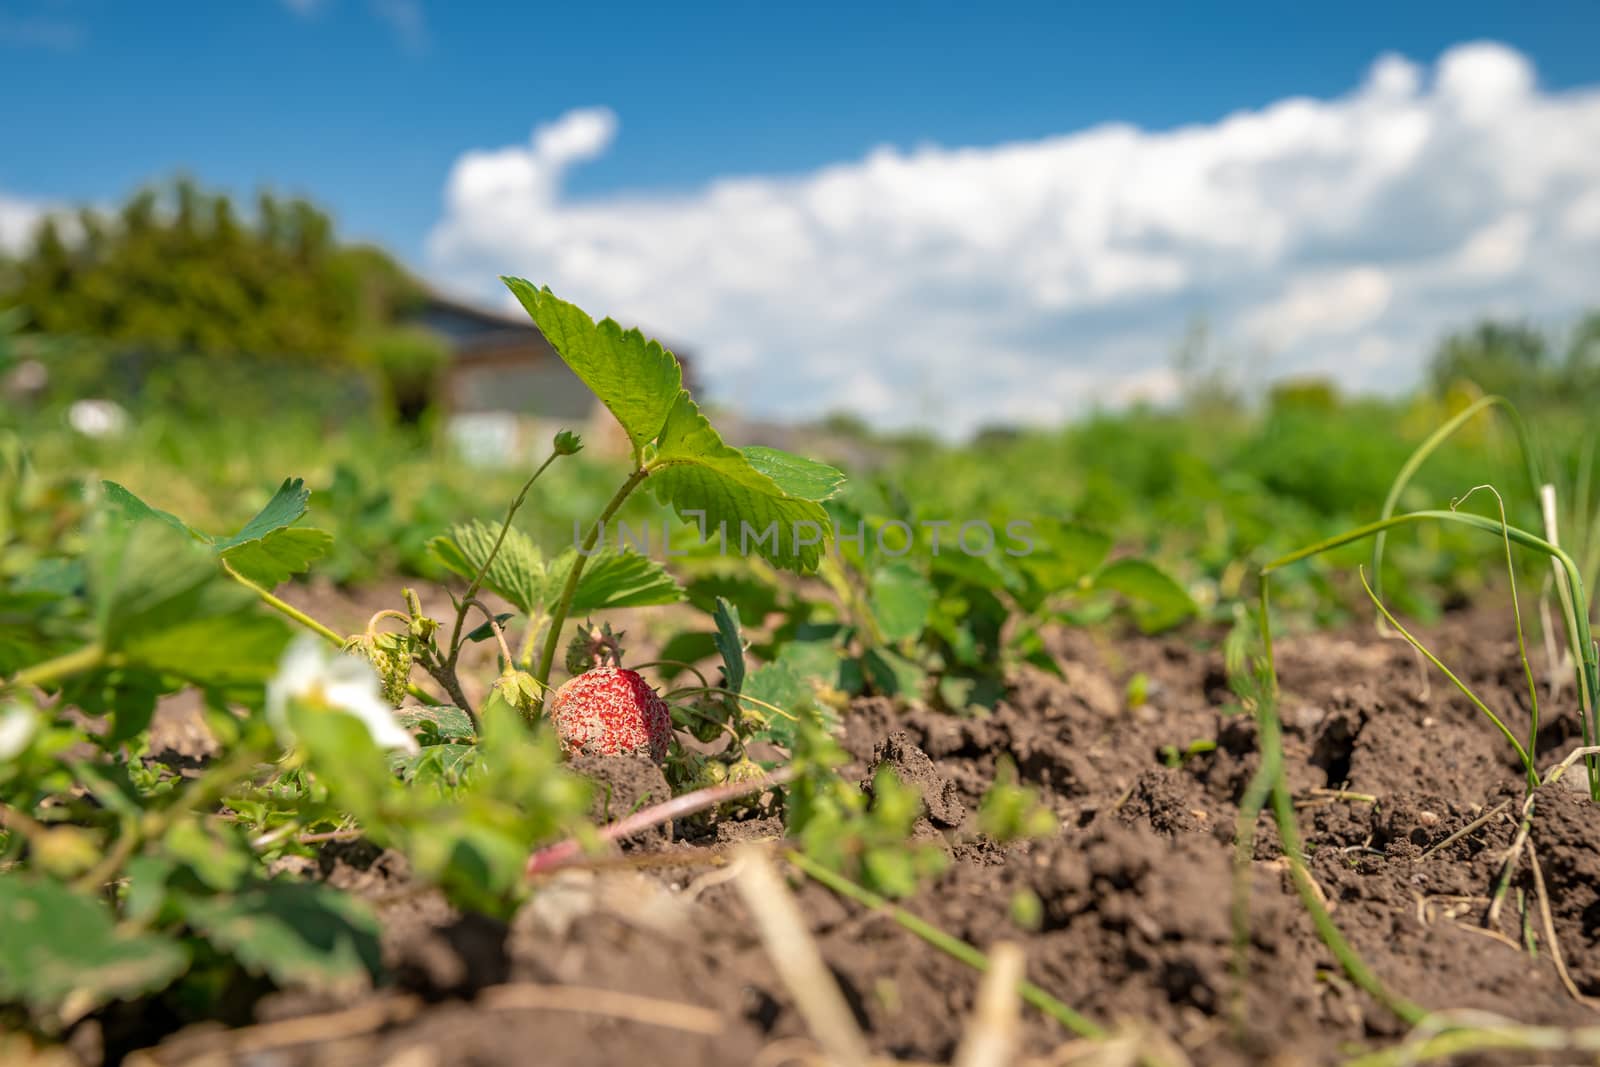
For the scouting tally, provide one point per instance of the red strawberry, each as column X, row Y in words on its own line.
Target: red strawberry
column 611, row 711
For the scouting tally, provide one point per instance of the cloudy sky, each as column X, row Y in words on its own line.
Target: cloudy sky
column 922, row 215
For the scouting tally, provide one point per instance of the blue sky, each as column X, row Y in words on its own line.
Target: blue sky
column 375, row 107
column 366, row 104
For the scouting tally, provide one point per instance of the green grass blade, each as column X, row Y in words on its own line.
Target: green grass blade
column 1430, row 446
column 1588, row 657
column 1522, row 753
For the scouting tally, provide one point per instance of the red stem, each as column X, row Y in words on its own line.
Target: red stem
column 562, row 853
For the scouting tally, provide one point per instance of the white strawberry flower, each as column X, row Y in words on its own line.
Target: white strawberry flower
column 18, row 724
column 313, row 673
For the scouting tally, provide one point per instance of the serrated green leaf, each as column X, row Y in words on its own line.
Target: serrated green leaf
column 795, row 475
column 279, row 555
column 144, row 576
column 438, row 765
column 286, row 507
column 298, row 934
column 730, row 643
column 243, row 651
column 635, row 378
column 265, row 550
column 124, row 504
column 1157, row 600
column 1065, row 557
column 612, row 579
column 901, row 599
column 61, row 949
column 447, row 721
column 517, row 572
column 695, row 472
column 892, row 674
column 220, row 859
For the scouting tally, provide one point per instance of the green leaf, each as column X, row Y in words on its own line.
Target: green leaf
column 265, row 550
column 485, row 630
column 298, row 934
column 245, row 650
column 220, row 859
column 279, row 556
column 445, row 765
column 517, row 572
column 795, row 475
column 1065, row 558
column 339, row 748
column 126, row 505
column 1158, row 601
column 635, row 378
column 287, row 506
column 143, row 576
column 612, row 579
column 901, row 599
column 695, row 472
column 63, row 951
column 447, row 721
column 730, row 643
column 892, row 674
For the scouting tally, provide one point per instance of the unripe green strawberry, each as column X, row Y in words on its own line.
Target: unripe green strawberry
column 611, row 711
column 391, row 655
column 745, row 769
column 713, row 772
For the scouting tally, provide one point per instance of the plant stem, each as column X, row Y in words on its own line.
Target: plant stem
column 285, row 607
column 1270, row 732
column 483, row 568
column 553, row 857
column 86, row 658
column 536, row 622
column 558, row 618
column 951, row 946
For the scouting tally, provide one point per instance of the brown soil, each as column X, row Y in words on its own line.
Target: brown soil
column 1134, row 891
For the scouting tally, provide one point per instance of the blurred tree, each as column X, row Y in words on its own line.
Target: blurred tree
column 1511, row 359
column 1583, row 353
column 176, row 269
column 409, row 363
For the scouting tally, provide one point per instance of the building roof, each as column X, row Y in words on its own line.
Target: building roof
column 473, row 331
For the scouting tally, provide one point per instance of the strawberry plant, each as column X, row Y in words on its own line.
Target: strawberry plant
column 166, row 882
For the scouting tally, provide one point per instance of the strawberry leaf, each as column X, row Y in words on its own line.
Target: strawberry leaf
column 517, row 572
column 901, row 600
column 635, row 378
column 63, row 953
column 265, row 551
column 795, row 475
column 705, row 480
column 730, row 642
column 299, row 935
column 613, row 580
column 1158, row 602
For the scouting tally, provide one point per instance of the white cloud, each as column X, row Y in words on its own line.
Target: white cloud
column 1034, row 279
column 405, row 18
column 49, row 34
column 18, row 217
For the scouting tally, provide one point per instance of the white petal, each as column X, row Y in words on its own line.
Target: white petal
column 17, row 726
column 312, row 671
